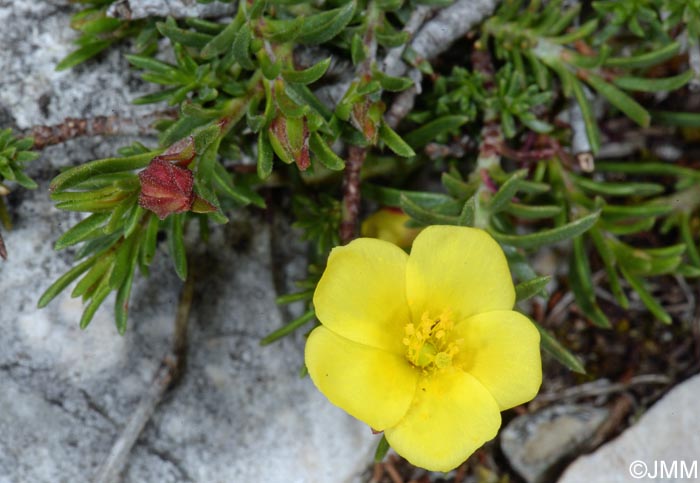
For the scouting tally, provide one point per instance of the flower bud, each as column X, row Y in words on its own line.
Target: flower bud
column 166, row 188
column 289, row 138
column 389, row 224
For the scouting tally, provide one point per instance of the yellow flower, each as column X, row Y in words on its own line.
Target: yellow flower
column 390, row 224
column 424, row 347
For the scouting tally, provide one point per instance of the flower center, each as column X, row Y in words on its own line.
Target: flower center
column 428, row 343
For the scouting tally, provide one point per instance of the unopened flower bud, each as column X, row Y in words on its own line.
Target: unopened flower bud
column 166, row 188
column 289, row 138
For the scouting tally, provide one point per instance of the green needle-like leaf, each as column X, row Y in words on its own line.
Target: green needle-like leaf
column 530, row 288
column 549, row 236
column 289, row 328
column 553, row 347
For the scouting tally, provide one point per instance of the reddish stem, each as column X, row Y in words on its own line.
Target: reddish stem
column 351, row 193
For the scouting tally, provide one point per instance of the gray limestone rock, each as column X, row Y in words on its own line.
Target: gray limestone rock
column 240, row 413
column 538, row 444
column 135, row 9
column 664, row 445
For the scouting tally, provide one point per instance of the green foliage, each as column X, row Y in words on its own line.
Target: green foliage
column 242, row 93
column 14, row 155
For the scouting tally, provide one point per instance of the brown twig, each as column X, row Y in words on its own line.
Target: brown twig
column 3, row 250
column 168, row 374
column 72, row 128
column 351, row 193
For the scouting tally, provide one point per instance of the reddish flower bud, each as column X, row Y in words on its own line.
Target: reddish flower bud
column 166, row 188
column 289, row 138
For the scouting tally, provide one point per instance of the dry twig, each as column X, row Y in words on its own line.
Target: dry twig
column 168, row 374
column 72, row 128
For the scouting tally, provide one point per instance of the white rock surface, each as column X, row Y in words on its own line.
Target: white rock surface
column 240, row 413
column 665, row 434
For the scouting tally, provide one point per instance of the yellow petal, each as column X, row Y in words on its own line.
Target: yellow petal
column 457, row 268
column 502, row 350
column 373, row 385
column 451, row 416
column 361, row 295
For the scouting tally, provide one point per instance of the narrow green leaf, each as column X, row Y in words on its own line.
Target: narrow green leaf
column 643, row 84
column 429, row 132
column 289, row 328
column 613, row 212
column 241, row 48
column 121, row 303
column 188, row 38
column 394, row 141
column 457, row 187
column 90, row 227
column 294, row 297
column 151, row 239
column 307, row 76
column 609, row 263
column 423, row 215
column 392, row 39
column 468, row 213
column 647, row 59
column 325, row 154
column 681, row 119
column 393, row 84
column 176, row 245
column 505, row 193
column 647, row 299
column 87, row 284
column 82, row 54
column 532, row 212
column 589, row 120
column 548, row 236
column 302, row 92
column 64, row 280
column 611, row 188
column 282, row 31
column 24, row 181
column 322, row 27
column 223, row 40
column 149, row 63
column 382, row 449
column 579, row 33
column 78, row 174
column 222, row 180
column 619, row 99
column 554, row 348
column 265, row 156
column 98, row 297
column 687, row 237
column 125, row 253
column 116, row 220
column 133, row 220
column 581, row 282
column 530, row 288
